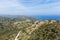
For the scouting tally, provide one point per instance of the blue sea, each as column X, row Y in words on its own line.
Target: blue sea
column 46, row 17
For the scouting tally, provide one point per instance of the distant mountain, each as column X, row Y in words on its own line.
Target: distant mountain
column 36, row 17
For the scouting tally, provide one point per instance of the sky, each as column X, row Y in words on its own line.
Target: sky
column 29, row 7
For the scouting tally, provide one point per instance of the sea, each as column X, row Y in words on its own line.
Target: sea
column 48, row 17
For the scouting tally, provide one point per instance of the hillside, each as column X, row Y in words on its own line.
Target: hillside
column 27, row 28
column 41, row 30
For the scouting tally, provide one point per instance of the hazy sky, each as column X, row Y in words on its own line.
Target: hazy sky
column 30, row 7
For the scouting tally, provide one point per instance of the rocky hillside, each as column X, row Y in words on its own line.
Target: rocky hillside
column 29, row 29
column 41, row 30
